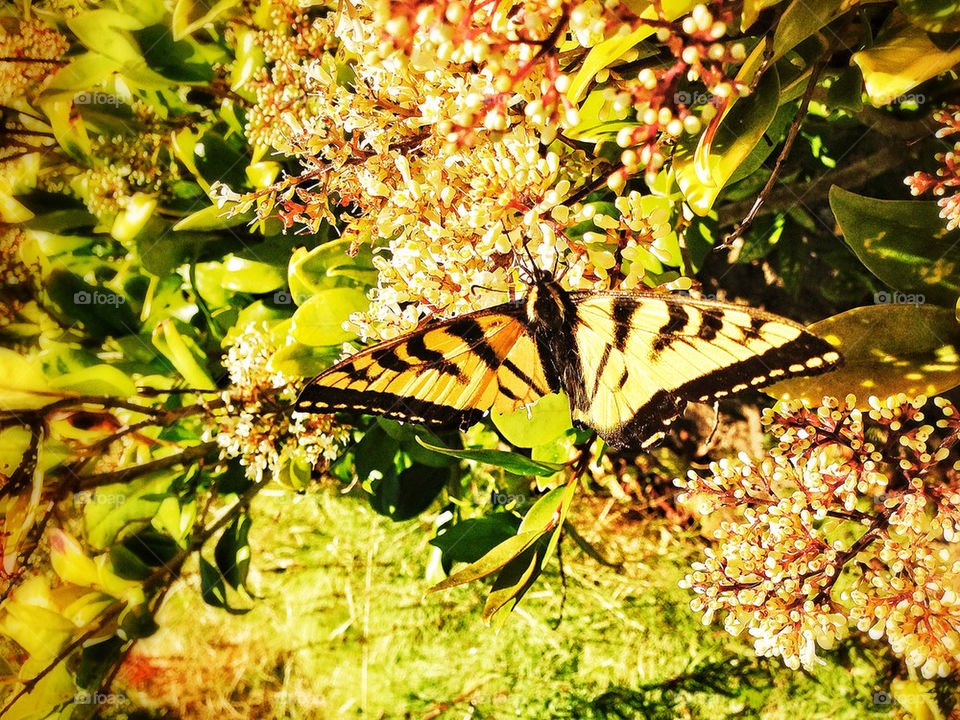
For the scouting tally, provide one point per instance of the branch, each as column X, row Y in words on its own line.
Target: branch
column 191, row 454
column 740, row 229
column 855, row 175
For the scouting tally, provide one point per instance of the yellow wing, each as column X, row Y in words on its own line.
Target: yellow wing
column 643, row 356
column 446, row 373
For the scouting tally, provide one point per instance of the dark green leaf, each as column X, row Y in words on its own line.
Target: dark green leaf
column 212, row 588
column 127, row 564
column 905, row 243
column 96, row 661
column 139, row 623
column 102, row 311
column 512, row 583
column 408, row 494
column 512, row 462
column 471, row 539
column 492, row 561
column 151, row 547
column 232, row 552
column 174, row 59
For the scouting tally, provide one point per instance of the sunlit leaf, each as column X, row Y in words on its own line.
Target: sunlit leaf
column 900, row 61
column 319, row 321
column 739, row 132
column 905, row 243
column 545, row 420
column 888, row 349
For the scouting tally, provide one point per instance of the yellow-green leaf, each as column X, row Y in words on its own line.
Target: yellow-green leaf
column 888, row 349
column 900, row 62
column 320, row 320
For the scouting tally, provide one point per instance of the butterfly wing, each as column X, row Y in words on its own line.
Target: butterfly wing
column 447, row 373
column 643, row 356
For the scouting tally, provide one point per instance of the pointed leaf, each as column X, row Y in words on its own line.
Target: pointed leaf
column 512, row 462
column 905, row 243
column 491, row 562
column 888, row 349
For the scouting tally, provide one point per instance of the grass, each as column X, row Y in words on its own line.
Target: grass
column 341, row 630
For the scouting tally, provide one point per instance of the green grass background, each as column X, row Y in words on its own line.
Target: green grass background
column 340, row 630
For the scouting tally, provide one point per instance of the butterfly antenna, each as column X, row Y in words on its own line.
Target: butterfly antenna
column 535, row 271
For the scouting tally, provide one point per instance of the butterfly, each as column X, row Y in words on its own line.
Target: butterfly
column 628, row 360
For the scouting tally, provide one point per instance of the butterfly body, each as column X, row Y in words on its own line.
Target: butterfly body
column 628, row 361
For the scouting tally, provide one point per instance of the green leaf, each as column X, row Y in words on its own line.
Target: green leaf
column 102, row 311
column 905, row 243
column 96, row 660
column 108, row 33
column 904, row 58
column 183, row 354
column 701, row 170
column 212, row 588
column 544, row 514
column 329, row 265
column 512, row 584
column 215, row 158
column 191, row 15
column 888, row 349
column 84, row 72
column 96, row 380
column 492, row 561
column 138, row 622
column 319, row 321
column 471, row 539
column 544, row 421
column 152, row 548
column 126, row 564
column 232, row 552
column 802, row 19
column 241, row 275
column 511, row 462
column 212, row 218
column 172, row 58
column 298, row 360
column 407, row 494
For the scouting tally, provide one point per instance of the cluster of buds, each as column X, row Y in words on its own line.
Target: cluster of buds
column 438, row 132
column 947, row 179
column 34, row 41
column 255, row 424
column 851, row 521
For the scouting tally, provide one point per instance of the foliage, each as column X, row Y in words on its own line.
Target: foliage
column 204, row 204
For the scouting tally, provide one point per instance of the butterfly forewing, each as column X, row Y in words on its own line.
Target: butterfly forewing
column 643, row 356
column 446, row 373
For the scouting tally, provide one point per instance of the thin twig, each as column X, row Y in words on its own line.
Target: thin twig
column 784, row 153
column 191, row 454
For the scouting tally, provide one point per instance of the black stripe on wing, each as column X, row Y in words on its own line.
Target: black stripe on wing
column 774, row 365
column 319, row 398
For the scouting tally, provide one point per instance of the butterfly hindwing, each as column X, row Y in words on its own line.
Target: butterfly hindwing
column 643, row 356
column 447, row 373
